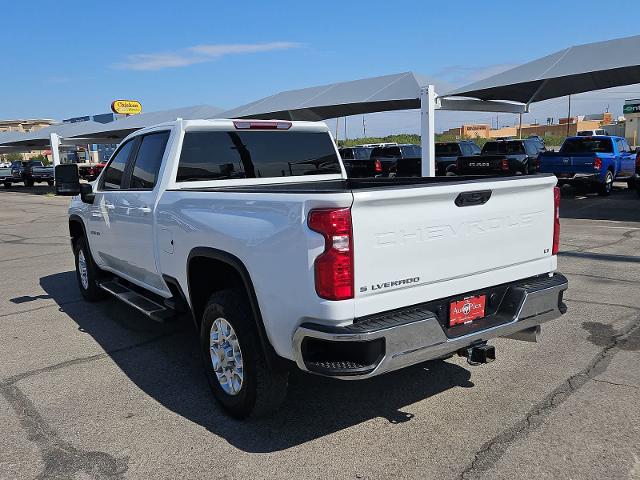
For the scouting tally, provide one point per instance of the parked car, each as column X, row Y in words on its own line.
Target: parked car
column 283, row 269
column 447, row 154
column 502, row 157
column 591, row 133
column 6, row 176
column 30, row 172
column 540, row 140
column 390, row 155
column 595, row 161
column 90, row 171
column 357, row 162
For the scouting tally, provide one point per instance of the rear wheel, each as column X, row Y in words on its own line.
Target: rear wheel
column 604, row 189
column 234, row 359
column 87, row 273
column 50, row 183
column 28, row 183
column 7, row 184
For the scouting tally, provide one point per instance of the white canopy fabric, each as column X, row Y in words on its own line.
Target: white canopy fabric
column 400, row 91
column 582, row 68
column 41, row 137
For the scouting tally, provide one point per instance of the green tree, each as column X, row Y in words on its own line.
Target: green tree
column 13, row 157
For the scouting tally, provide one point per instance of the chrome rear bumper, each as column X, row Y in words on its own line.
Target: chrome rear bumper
column 413, row 335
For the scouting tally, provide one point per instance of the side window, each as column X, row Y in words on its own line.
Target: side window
column 112, row 178
column 148, row 160
column 625, row 146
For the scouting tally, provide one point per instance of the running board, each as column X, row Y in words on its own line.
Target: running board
column 145, row 305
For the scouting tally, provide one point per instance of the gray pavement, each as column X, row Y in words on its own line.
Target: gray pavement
column 99, row 391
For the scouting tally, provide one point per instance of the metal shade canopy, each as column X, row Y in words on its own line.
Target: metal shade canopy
column 122, row 127
column 578, row 69
column 400, row 91
column 42, row 137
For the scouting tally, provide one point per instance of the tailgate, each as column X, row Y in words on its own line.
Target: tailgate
column 573, row 163
column 414, row 244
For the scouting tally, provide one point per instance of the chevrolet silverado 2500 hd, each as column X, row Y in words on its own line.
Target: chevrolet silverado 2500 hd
column 254, row 229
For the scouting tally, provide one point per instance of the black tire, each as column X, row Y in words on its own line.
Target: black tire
column 262, row 389
column 28, row 183
column 90, row 292
column 50, row 183
column 7, row 184
column 604, row 189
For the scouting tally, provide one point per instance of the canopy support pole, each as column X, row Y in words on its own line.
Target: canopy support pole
column 54, row 143
column 427, row 130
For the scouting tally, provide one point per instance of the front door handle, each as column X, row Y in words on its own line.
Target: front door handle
column 109, row 206
column 145, row 210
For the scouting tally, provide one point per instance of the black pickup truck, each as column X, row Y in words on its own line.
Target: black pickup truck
column 30, row 172
column 447, row 154
column 357, row 162
column 502, row 157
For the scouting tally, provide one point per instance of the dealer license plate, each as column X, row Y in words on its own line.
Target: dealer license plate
column 466, row 310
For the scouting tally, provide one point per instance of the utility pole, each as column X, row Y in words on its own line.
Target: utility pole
column 337, row 124
column 569, row 115
column 345, row 128
column 364, row 127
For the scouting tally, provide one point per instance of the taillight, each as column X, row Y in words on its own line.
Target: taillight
column 378, row 166
column 258, row 125
column 334, row 267
column 638, row 162
column 597, row 163
column 556, row 221
column 505, row 165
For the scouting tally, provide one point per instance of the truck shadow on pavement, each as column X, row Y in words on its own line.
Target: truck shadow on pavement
column 621, row 206
column 164, row 362
column 38, row 189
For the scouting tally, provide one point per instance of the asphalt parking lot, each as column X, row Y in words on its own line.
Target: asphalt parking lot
column 99, row 391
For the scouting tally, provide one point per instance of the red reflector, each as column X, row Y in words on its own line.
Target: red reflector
column 258, row 125
column 378, row 166
column 334, row 267
column 505, row 165
column 556, row 221
column 597, row 163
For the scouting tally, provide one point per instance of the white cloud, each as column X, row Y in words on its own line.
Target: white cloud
column 196, row 54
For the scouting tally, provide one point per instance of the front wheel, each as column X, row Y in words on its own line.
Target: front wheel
column 28, row 183
column 605, row 188
column 234, row 359
column 7, row 184
column 87, row 273
column 50, row 183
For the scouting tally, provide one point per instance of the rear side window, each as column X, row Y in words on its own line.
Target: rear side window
column 347, row 153
column 216, row 155
column 114, row 172
column 148, row 160
column 386, row 152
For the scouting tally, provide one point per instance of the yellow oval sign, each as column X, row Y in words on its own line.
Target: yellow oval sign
column 126, row 107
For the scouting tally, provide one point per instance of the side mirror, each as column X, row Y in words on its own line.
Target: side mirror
column 86, row 193
column 67, row 179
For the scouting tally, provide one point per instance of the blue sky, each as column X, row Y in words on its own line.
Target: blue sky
column 75, row 57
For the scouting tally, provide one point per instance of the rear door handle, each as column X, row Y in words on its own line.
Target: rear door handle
column 145, row 210
column 109, row 206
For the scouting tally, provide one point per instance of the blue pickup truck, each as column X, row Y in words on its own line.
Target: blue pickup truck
column 591, row 160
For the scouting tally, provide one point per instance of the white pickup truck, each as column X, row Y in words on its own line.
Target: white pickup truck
column 254, row 229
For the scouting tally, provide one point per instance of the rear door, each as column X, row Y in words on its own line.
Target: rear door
column 627, row 159
column 412, row 245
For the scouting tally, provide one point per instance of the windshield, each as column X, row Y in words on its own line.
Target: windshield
column 447, row 149
column 587, row 145
column 492, row 148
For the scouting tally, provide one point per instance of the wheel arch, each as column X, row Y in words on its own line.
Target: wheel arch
column 235, row 273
